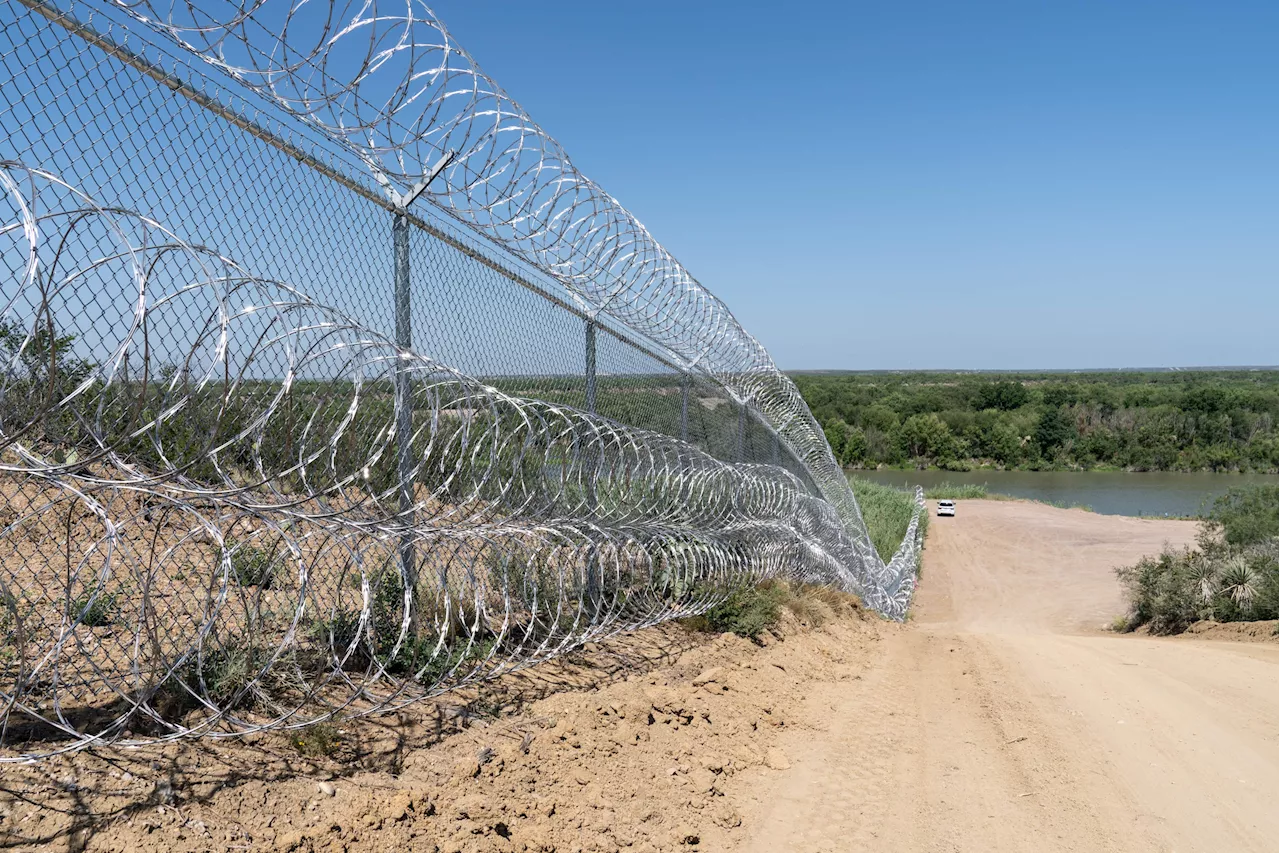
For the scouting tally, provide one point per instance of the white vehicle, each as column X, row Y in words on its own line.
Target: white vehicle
column 946, row 507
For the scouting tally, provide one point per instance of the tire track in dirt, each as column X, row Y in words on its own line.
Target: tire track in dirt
column 1000, row 721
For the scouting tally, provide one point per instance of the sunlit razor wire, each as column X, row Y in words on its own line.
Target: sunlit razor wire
column 418, row 451
column 388, row 81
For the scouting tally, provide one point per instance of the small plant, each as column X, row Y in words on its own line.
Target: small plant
column 316, row 740
column 251, row 565
column 340, row 632
column 10, row 628
column 385, row 642
column 222, row 677
column 94, row 611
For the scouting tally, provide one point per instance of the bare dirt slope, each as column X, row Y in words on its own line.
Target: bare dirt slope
column 999, row 719
column 628, row 745
column 1004, row 719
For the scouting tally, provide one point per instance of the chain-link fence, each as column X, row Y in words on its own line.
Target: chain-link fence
column 330, row 384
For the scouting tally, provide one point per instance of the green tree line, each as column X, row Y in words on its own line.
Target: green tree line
column 1139, row 421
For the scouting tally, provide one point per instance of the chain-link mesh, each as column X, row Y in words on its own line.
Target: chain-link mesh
column 282, row 442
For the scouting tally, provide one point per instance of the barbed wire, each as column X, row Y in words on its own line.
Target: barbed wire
column 387, row 80
column 227, row 507
column 171, row 569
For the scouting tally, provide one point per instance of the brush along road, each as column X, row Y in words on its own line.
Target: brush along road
column 1002, row 718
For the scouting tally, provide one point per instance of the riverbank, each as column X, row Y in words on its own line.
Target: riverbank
column 980, row 465
column 1154, row 495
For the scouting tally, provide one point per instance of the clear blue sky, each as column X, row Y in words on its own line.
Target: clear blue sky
column 904, row 185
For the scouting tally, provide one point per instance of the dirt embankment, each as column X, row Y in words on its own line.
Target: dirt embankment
column 633, row 749
column 1001, row 718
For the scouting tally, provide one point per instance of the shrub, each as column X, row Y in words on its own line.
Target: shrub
column 1169, row 592
column 751, row 611
column 1244, row 516
column 221, row 676
column 1161, row 592
column 251, row 565
column 955, row 492
column 747, row 612
column 94, row 611
column 1233, row 576
column 385, row 642
column 41, row 371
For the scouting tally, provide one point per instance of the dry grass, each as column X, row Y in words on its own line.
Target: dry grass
column 815, row 605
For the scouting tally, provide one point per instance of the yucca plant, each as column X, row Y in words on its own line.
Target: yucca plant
column 1239, row 582
column 1202, row 574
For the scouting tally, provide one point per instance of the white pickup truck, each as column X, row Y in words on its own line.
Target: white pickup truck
column 946, row 507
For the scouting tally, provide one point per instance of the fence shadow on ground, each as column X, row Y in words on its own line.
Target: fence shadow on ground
column 62, row 802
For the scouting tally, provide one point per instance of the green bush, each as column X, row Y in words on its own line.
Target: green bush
column 1163, row 592
column 1233, row 575
column 418, row 649
column 747, row 612
column 43, row 370
column 94, row 611
column 1245, row 515
column 251, row 565
column 222, row 676
column 955, row 492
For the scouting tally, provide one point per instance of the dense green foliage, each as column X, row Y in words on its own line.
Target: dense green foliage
column 887, row 513
column 747, row 612
column 1244, row 516
column 960, row 491
column 1168, row 421
column 1233, row 575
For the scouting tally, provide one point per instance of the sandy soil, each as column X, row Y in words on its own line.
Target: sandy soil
column 1000, row 718
column 1003, row 719
column 625, row 745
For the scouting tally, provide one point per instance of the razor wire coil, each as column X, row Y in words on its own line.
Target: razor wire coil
column 231, row 507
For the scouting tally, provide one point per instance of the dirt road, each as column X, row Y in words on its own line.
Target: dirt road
column 1002, row 719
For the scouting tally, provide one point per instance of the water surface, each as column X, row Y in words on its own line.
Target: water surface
column 1108, row 492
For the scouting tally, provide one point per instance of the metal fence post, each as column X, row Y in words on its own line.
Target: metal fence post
column 742, row 432
column 591, row 366
column 593, row 461
column 403, row 396
column 404, row 407
column 684, row 407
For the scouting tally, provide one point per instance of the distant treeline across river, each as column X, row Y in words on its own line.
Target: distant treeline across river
column 1197, row 420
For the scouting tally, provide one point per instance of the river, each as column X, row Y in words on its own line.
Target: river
column 1107, row 492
